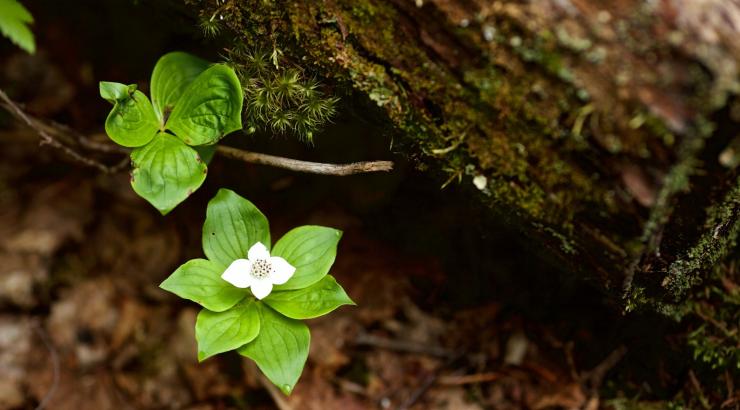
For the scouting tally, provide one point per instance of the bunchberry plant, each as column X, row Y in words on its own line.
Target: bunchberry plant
column 194, row 104
column 254, row 297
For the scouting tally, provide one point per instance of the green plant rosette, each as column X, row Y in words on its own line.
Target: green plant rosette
column 194, row 104
column 268, row 331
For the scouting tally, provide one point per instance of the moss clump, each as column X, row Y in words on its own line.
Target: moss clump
column 720, row 234
column 278, row 96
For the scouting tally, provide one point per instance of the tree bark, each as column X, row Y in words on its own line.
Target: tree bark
column 607, row 132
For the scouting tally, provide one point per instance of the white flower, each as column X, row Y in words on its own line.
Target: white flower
column 259, row 271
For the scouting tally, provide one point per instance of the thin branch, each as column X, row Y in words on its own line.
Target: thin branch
column 405, row 346
column 54, row 365
column 53, row 134
column 86, row 142
column 47, row 139
column 306, row 166
column 469, row 379
column 428, row 382
column 597, row 374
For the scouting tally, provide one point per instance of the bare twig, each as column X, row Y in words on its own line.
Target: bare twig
column 306, row 166
column 56, row 135
column 47, row 139
column 54, row 365
column 88, row 143
column 428, row 382
column 597, row 374
column 731, row 398
column 420, row 391
column 402, row 346
column 699, row 391
column 469, row 379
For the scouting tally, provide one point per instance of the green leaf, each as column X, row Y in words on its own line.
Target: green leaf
column 14, row 21
column 200, row 280
column 166, row 172
column 218, row 332
column 209, row 108
column 132, row 122
column 280, row 350
column 206, row 152
column 316, row 300
column 311, row 250
column 232, row 226
column 113, row 92
column 172, row 74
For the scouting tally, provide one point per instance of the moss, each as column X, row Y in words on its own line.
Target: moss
column 635, row 299
column 720, row 234
column 506, row 101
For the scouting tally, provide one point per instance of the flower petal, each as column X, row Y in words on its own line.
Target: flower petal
column 239, row 273
column 258, row 251
column 281, row 270
column 261, row 288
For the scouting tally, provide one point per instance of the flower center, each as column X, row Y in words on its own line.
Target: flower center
column 261, row 268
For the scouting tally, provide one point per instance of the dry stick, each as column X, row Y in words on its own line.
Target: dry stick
column 730, row 393
column 45, row 131
column 54, row 365
column 46, row 138
column 428, row 382
column 88, row 143
column 469, row 379
column 306, row 166
column 699, row 391
column 404, row 346
column 597, row 374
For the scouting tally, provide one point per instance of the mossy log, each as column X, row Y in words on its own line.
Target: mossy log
column 606, row 132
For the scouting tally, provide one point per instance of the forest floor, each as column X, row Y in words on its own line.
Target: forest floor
column 84, row 325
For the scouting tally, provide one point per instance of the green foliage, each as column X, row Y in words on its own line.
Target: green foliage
column 266, row 331
column 218, row 332
column 171, row 76
column 280, row 99
column 166, row 171
column 203, row 117
column 280, row 350
column 14, row 21
column 193, row 106
column 113, row 92
column 131, row 122
column 210, row 26
column 316, row 300
column 716, row 340
column 200, row 280
column 311, row 249
column 233, row 225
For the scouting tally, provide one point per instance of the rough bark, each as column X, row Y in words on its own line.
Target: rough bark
column 602, row 130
